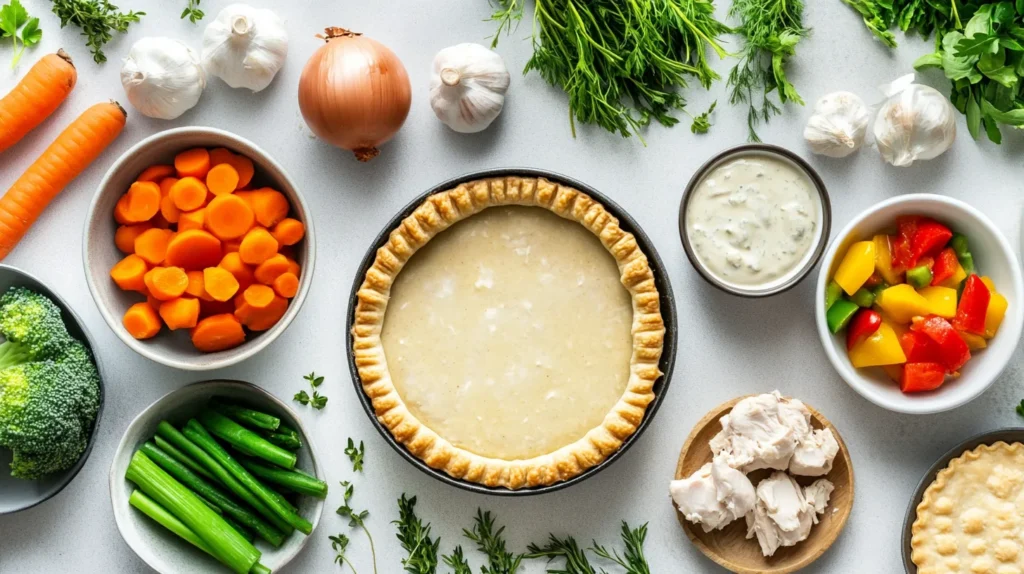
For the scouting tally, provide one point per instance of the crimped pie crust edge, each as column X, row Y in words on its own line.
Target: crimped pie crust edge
column 435, row 214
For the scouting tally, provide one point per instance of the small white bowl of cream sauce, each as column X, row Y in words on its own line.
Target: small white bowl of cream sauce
column 754, row 220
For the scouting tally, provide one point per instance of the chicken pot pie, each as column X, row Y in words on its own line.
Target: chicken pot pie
column 971, row 518
column 509, row 332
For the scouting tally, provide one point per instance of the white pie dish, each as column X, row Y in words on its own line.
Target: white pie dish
column 993, row 256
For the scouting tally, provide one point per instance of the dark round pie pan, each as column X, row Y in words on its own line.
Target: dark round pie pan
column 668, row 311
column 1008, row 435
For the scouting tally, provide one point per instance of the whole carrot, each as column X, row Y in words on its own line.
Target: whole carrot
column 35, row 97
column 73, row 150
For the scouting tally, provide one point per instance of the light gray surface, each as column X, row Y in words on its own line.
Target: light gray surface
column 728, row 346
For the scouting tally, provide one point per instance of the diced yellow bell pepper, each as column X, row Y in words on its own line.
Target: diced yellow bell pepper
column 941, row 301
column 883, row 260
column 956, row 279
column 974, row 342
column 881, row 348
column 857, row 266
column 895, row 372
column 903, row 303
column 997, row 306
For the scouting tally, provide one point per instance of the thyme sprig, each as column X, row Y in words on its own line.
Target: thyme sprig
column 415, row 538
column 98, row 19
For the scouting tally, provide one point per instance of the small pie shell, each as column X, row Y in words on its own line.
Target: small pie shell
column 438, row 212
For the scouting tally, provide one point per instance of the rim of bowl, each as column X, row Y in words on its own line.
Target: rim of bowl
column 1015, row 323
column 113, row 477
column 1005, row 434
column 823, row 230
column 65, row 307
column 249, row 347
column 665, row 295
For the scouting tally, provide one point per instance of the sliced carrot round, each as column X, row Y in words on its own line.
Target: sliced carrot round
column 197, row 286
column 193, row 250
column 267, row 271
column 257, row 246
column 155, row 173
column 265, row 318
column 151, row 245
column 286, row 285
column 129, row 273
column 245, row 169
column 288, row 231
column 219, row 155
column 141, row 321
column 220, row 283
column 192, row 219
column 222, row 179
column 270, row 206
column 229, row 217
column 259, row 296
column 124, row 237
column 217, row 333
column 166, row 184
column 232, row 262
column 143, row 201
column 188, row 193
column 166, row 283
column 180, row 313
column 192, row 163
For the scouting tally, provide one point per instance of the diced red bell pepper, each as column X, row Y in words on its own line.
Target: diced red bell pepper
column 863, row 325
column 945, row 266
column 929, row 237
column 919, row 377
column 919, row 348
column 973, row 307
column 952, row 348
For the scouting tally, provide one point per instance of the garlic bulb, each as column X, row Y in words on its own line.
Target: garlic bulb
column 838, row 124
column 467, row 87
column 162, row 77
column 915, row 122
column 245, row 46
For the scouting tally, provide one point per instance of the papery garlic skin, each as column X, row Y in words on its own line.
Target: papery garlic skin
column 837, row 125
column 467, row 87
column 245, row 46
column 915, row 123
column 162, row 77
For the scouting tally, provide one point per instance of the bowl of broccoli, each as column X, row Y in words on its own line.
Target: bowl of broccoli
column 51, row 394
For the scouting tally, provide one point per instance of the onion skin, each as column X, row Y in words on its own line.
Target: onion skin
column 354, row 93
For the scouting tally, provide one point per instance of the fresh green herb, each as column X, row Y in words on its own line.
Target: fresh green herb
column 771, row 30
column 415, row 539
column 576, row 561
column 356, row 519
column 490, row 542
column 924, row 16
column 632, row 558
column 457, row 562
column 192, row 12
column 317, row 401
column 702, row 123
column 339, row 543
column 621, row 64
column 356, row 455
column 1020, row 409
column 97, row 19
column 13, row 16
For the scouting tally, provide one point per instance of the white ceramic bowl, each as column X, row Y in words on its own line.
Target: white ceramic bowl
column 993, row 257
column 99, row 253
column 157, row 546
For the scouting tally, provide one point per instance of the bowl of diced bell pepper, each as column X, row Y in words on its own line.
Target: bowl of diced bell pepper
column 921, row 304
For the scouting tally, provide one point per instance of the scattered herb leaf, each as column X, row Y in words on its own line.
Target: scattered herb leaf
column 1020, row 409
column 97, row 19
column 12, row 17
column 576, row 561
column 192, row 12
column 356, row 455
column 702, row 123
column 490, row 542
column 317, row 401
column 356, row 519
column 415, row 539
column 632, row 558
column 457, row 562
column 302, row 397
column 339, row 543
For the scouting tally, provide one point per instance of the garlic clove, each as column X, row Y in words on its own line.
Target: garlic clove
column 467, row 87
column 162, row 77
column 245, row 46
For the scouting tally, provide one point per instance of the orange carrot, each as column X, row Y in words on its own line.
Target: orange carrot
column 231, row 245
column 258, row 296
column 188, row 193
column 166, row 283
column 192, row 163
column 228, row 217
column 36, row 96
column 193, row 249
column 129, row 273
column 143, row 200
column 262, row 319
column 141, row 321
column 168, row 210
column 124, row 237
column 219, row 155
column 151, row 245
column 192, row 220
column 245, row 169
column 197, row 286
column 166, row 184
column 270, row 206
column 220, row 283
column 288, row 231
column 267, row 271
column 232, row 262
column 217, row 333
column 222, row 179
column 180, row 313
column 293, row 267
column 156, row 173
column 286, row 285
column 257, row 246
column 73, row 150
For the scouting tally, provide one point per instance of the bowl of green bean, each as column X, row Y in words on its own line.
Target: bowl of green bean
column 217, row 476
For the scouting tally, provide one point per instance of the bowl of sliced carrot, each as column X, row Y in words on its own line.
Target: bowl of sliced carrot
column 198, row 248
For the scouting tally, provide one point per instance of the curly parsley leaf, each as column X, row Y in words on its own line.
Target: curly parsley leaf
column 13, row 17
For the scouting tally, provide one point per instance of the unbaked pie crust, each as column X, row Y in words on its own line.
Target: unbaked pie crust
column 971, row 518
column 519, row 464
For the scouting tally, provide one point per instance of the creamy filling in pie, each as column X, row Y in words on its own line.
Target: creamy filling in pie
column 508, row 334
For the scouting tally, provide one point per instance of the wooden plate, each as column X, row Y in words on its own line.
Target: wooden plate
column 729, row 547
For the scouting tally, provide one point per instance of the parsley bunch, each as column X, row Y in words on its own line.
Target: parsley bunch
column 13, row 17
column 97, row 19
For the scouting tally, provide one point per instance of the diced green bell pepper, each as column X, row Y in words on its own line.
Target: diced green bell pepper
column 963, row 252
column 863, row 297
column 919, row 277
column 832, row 294
column 839, row 315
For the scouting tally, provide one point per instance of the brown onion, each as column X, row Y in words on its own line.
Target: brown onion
column 354, row 92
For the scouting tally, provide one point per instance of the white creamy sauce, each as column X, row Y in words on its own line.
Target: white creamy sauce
column 752, row 220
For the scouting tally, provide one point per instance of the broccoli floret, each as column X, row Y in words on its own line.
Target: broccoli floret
column 49, row 387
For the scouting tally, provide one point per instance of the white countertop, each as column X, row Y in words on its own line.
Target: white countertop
column 727, row 346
